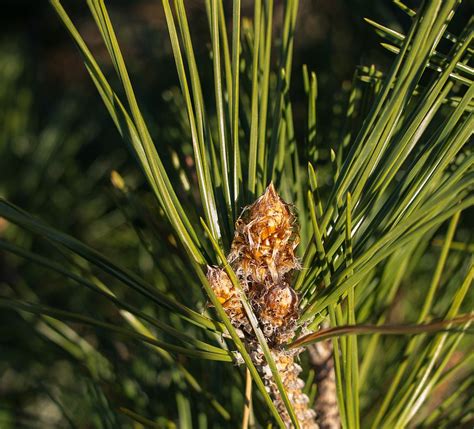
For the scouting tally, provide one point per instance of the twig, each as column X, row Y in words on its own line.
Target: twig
column 326, row 407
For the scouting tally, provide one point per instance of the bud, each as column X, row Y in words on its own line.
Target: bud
column 265, row 238
column 228, row 296
column 220, row 284
column 280, row 306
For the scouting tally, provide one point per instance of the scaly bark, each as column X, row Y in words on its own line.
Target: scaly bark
column 320, row 357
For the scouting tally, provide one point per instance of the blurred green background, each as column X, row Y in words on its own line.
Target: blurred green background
column 52, row 114
column 57, row 149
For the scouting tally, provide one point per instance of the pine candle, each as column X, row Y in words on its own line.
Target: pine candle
column 263, row 257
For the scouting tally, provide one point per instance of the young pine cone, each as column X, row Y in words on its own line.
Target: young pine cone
column 263, row 258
